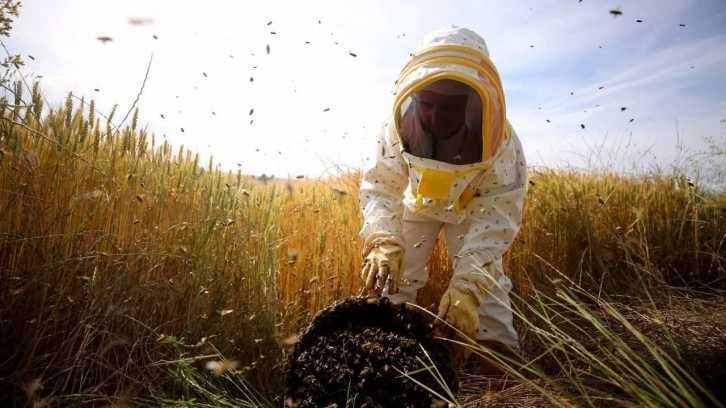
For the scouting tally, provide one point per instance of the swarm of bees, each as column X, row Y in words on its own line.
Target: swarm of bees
column 355, row 344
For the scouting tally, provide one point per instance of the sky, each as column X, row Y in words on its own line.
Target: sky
column 584, row 87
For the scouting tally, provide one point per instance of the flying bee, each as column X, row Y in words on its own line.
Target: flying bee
column 90, row 195
column 289, row 341
column 222, row 366
column 339, row 191
column 292, row 256
column 140, row 21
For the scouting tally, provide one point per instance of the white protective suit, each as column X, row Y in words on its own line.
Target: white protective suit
column 408, row 198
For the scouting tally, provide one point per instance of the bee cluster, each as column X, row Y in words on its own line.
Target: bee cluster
column 367, row 352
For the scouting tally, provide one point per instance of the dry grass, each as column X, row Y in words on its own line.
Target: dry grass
column 132, row 274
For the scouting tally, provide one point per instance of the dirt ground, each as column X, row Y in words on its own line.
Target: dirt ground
column 353, row 352
column 353, row 355
column 691, row 331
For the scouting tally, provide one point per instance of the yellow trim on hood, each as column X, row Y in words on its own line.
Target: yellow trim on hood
column 479, row 58
column 458, row 55
column 467, row 79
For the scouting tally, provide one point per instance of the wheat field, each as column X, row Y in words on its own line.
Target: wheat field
column 132, row 274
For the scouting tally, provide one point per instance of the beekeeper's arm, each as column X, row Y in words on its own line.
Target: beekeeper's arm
column 496, row 216
column 381, row 197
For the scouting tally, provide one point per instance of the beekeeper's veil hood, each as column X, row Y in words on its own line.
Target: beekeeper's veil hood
column 453, row 61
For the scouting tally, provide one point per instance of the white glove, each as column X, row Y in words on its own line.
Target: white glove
column 383, row 263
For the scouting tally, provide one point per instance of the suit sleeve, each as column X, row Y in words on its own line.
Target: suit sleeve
column 381, row 192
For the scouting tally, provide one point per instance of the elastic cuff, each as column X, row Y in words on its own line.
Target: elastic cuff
column 467, row 287
column 381, row 238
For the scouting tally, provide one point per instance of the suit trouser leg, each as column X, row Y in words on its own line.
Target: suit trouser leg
column 495, row 312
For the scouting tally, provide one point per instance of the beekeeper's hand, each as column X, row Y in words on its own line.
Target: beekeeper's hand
column 458, row 310
column 383, row 263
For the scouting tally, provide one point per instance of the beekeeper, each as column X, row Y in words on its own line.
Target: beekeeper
column 447, row 159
